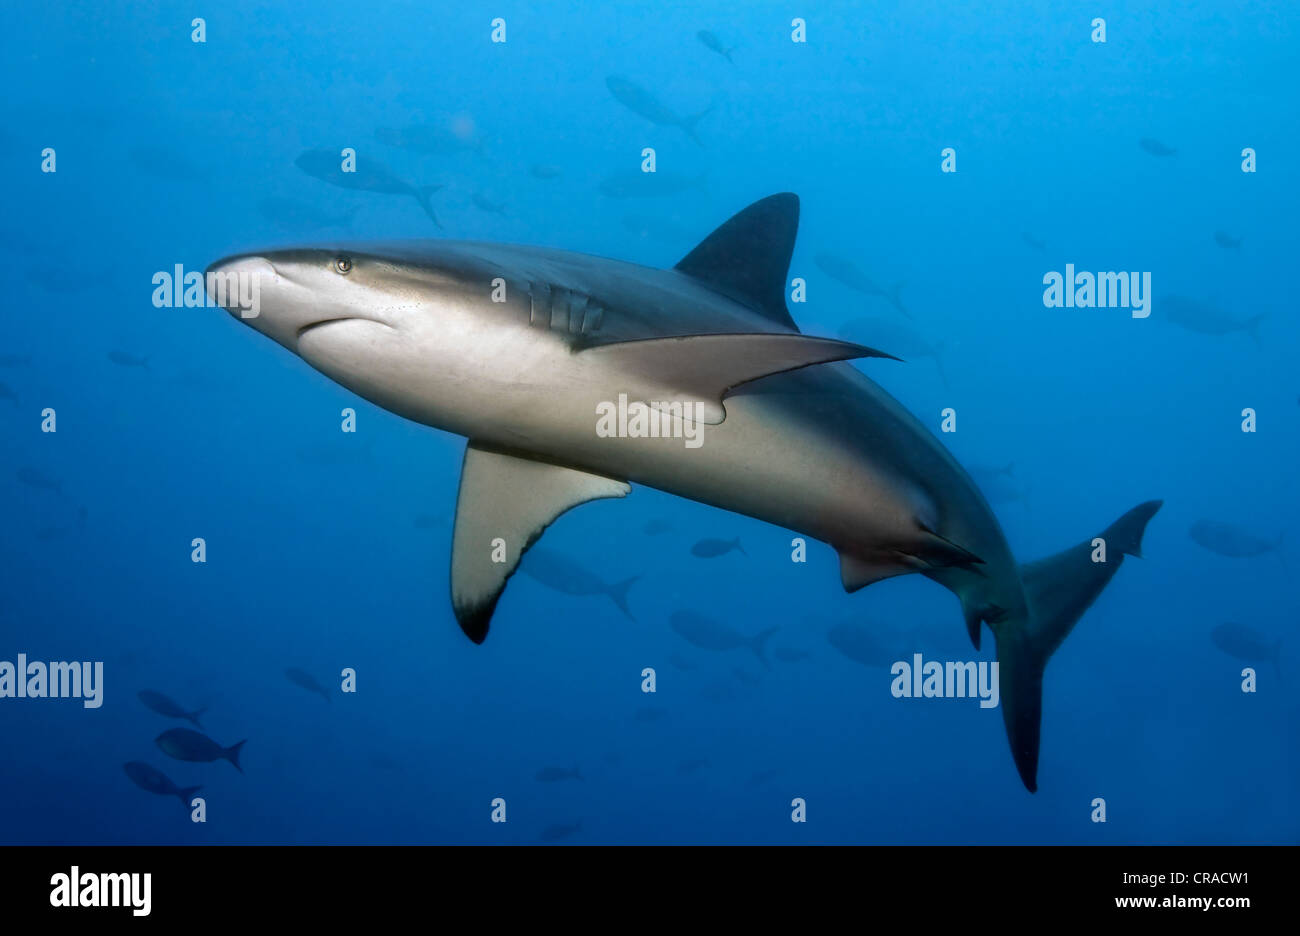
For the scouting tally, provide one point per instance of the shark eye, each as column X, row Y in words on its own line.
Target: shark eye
column 343, row 265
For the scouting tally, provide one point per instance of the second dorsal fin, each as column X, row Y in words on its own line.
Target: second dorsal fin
column 747, row 258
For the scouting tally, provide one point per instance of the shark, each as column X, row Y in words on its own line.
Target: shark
column 518, row 348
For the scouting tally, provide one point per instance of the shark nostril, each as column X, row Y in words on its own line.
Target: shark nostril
column 235, row 283
column 241, row 265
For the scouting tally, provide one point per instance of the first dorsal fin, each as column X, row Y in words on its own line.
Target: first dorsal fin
column 747, row 258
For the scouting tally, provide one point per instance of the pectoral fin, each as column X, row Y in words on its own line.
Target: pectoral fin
column 702, row 368
column 505, row 504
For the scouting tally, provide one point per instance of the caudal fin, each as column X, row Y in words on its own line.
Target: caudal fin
column 896, row 299
column 689, row 123
column 618, row 594
column 187, row 793
column 423, row 195
column 1252, row 328
column 232, row 754
column 1020, row 683
column 193, row 717
column 740, row 549
column 943, row 374
column 759, row 645
column 1058, row 590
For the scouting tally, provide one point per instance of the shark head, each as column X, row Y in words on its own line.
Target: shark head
column 392, row 326
column 301, row 295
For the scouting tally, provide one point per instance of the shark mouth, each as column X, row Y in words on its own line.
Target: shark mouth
column 347, row 318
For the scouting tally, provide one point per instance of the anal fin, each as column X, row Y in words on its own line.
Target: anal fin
column 858, row 573
column 511, row 499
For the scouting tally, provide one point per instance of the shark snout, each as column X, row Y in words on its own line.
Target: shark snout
column 238, row 283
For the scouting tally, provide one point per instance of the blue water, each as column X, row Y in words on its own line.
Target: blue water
column 315, row 558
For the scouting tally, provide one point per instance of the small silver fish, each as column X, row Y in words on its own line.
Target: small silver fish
column 33, row 478
column 155, row 781
column 1155, row 147
column 165, row 705
column 557, row 833
column 708, row 634
column 483, row 203
column 712, row 42
column 712, row 548
column 556, row 570
column 861, row 644
column 656, row 526
column 187, row 745
column 641, row 102
column 305, row 680
column 1227, row 539
column 1247, row 644
column 846, row 272
column 125, row 359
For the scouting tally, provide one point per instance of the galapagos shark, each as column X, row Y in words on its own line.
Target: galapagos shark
column 518, row 349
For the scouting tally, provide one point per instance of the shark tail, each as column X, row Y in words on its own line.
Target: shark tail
column 232, row 754
column 618, row 594
column 193, row 717
column 1252, row 328
column 943, row 374
column 895, row 297
column 187, row 793
column 740, row 549
column 1058, row 590
column 689, row 124
column 424, row 195
column 759, row 644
